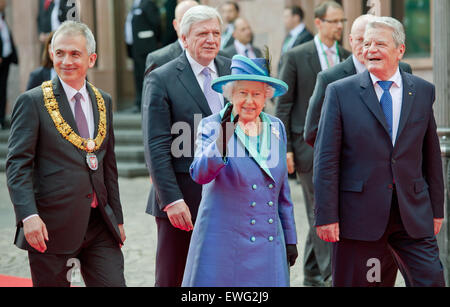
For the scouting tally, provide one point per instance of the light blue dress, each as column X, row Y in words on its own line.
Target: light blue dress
column 246, row 217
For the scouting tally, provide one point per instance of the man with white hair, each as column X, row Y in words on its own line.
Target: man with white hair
column 351, row 66
column 179, row 92
column 377, row 168
column 62, row 173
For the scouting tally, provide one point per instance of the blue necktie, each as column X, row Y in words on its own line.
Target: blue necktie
column 386, row 103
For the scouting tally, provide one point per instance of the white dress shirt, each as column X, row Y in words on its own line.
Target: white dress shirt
column 240, row 48
column 358, row 65
column 321, row 50
column 294, row 33
column 397, row 98
column 6, row 39
column 55, row 15
column 86, row 104
column 198, row 68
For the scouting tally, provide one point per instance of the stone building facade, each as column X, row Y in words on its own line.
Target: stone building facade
column 113, row 71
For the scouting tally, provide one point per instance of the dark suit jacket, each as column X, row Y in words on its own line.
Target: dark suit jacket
column 231, row 51
column 47, row 175
column 44, row 16
column 355, row 164
column 300, row 68
column 162, row 56
column 340, row 71
column 175, row 99
column 303, row 37
column 38, row 76
column 144, row 24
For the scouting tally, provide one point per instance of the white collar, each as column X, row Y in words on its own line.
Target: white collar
column 71, row 92
column 198, row 68
column 297, row 30
column 325, row 47
column 396, row 78
column 181, row 44
column 240, row 47
column 358, row 65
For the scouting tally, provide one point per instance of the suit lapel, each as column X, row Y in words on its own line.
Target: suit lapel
column 409, row 93
column 189, row 81
column 65, row 110
column 369, row 97
column 63, row 103
column 342, row 54
column 349, row 67
column 312, row 57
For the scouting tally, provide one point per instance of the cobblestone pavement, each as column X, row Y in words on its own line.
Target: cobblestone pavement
column 140, row 247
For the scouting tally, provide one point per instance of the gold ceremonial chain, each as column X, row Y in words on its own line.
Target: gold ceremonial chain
column 64, row 128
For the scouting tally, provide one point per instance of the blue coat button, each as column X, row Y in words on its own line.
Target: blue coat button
column 270, row 203
column 253, row 222
column 254, row 187
column 253, row 239
column 253, row 204
column 270, row 186
column 270, row 239
column 270, row 221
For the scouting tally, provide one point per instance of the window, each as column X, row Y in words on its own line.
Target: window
column 416, row 17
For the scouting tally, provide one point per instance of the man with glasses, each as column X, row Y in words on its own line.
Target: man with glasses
column 299, row 70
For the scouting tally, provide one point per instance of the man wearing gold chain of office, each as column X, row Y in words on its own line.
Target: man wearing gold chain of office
column 62, row 172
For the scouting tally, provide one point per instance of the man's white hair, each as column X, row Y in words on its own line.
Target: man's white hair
column 398, row 31
column 196, row 14
column 74, row 28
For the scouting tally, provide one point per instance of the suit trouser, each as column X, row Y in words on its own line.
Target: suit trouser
column 317, row 256
column 100, row 260
column 171, row 254
column 355, row 262
column 4, row 71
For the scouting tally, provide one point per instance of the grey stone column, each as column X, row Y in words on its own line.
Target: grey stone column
column 441, row 76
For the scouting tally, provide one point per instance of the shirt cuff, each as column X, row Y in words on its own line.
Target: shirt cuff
column 29, row 217
column 172, row 204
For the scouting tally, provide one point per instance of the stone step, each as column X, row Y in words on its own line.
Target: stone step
column 128, row 137
column 127, row 121
column 130, row 153
column 131, row 169
column 4, row 135
column 3, row 150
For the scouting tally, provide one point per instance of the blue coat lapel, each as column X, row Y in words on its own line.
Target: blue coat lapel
column 268, row 144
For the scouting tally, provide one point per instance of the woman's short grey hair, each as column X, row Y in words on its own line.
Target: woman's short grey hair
column 228, row 88
column 196, row 14
column 74, row 28
column 398, row 31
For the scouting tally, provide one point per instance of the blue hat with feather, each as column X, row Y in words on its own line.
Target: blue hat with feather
column 243, row 68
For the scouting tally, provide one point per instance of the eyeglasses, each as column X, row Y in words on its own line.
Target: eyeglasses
column 335, row 21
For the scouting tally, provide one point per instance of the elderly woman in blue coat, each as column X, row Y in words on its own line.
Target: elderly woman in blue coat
column 245, row 233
